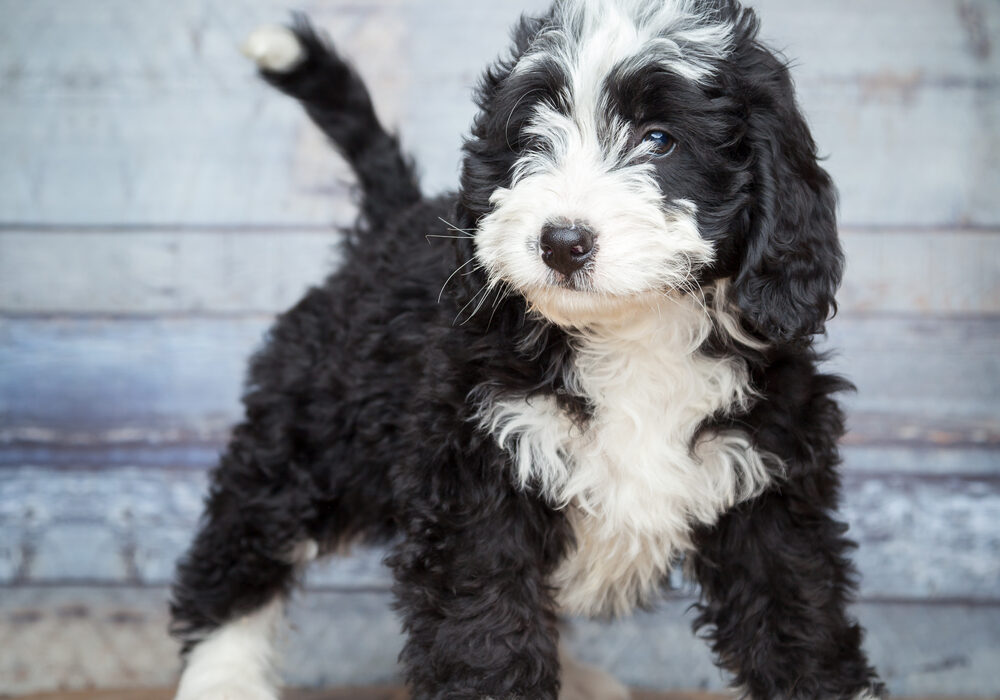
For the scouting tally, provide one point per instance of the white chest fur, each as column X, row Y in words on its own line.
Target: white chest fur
column 632, row 486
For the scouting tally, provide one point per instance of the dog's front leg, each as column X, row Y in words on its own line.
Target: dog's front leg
column 775, row 584
column 471, row 587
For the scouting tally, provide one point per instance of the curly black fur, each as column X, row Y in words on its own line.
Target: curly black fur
column 361, row 405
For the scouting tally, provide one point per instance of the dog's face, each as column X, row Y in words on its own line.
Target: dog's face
column 632, row 149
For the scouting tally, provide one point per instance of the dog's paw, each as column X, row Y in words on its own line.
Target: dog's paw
column 581, row 682
column 275, row 49
column 230, row 690
column 870, row 695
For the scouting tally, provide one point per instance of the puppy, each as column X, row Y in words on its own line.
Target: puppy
column 593, row 362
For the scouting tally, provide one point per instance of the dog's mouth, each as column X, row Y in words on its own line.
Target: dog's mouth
column 576, row 303
column 588, row 296
column 581, row 281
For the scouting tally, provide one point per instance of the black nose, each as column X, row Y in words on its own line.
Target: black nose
column 566, row 248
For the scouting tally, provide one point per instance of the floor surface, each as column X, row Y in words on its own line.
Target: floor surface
column 383, row 693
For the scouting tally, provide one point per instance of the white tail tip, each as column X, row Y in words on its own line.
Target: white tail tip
column 274, row 48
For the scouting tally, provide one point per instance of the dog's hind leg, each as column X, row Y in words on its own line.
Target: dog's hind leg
column 300, row 63
column 303, row 473
column 235, row 662
column 230, row 587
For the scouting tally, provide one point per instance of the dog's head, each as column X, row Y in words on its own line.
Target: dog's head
column 634, row 148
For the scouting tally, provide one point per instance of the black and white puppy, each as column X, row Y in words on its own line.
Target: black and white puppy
column 602, row 366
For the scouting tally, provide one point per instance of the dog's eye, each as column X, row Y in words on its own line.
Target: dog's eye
column 663, row 143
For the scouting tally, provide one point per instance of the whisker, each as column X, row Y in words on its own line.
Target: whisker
column 465, row 232
column 502, row 293
column 443, row 286
column 453, row 227
column 693, row 291
column 482, row 301
column 463, row 237
column 485, row 288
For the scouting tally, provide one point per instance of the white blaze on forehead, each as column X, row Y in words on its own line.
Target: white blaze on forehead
column 589, row 38
column 600, row 34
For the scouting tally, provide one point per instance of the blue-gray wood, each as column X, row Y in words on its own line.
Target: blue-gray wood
column 921, row 536
column 143, row 112
column 158, row 205
column 238, row 272
column 169, row 379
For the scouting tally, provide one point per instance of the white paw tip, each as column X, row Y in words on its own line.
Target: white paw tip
column 305, row 552
column 274, row 48
column 228, row 691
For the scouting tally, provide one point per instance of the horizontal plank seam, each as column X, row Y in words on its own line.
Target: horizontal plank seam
column 923, row 442
column 134, row 316
column 902, row 229
column 669, row 596
column 957, row 437
column 335, row 229
column 180, row 228
column 923, row 477
column 8, row 465
column 919, row 80
column 862, row 315
column 265, row 314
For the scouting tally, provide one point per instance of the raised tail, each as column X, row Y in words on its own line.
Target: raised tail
column 300, row 63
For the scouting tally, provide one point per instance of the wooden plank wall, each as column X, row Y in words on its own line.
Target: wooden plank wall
column 158, row 205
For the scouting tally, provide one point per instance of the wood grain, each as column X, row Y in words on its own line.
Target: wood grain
column 158, row 205
column 91, row 136
column 923, row 537
column 233, row 271
column 379, row 693
column 114, row 637
column 177, row 380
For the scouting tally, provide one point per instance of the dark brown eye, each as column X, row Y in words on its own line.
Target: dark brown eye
column 663, row 143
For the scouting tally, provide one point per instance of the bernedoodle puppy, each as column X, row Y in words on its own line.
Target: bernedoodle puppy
column 600, row 368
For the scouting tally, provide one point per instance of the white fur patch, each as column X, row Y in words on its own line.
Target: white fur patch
column 632, row 486
column 641, row 247
column 591, row 37
column 304, row 552
column 236, row 661
column 274, row 48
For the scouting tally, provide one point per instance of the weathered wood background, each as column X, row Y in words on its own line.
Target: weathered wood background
column 158, row 205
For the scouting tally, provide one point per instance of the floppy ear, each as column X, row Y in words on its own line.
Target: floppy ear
column 792, row 261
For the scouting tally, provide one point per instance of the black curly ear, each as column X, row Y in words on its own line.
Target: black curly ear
column 792, row 261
